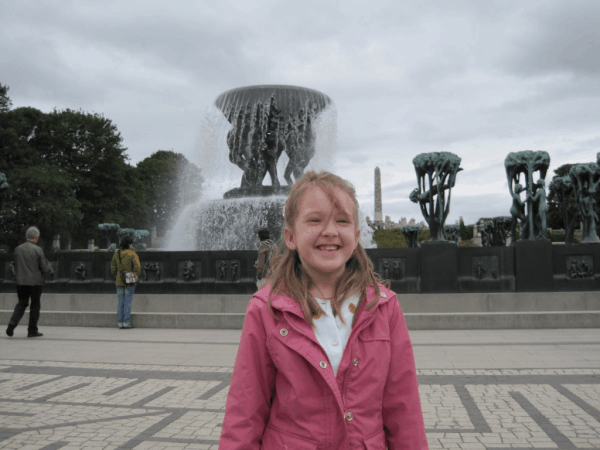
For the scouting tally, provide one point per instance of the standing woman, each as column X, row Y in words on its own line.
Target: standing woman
column 127, row 260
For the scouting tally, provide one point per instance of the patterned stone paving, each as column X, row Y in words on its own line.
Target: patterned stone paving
column 61, row 405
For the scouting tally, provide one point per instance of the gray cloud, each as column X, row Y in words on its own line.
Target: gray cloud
column 479, row 79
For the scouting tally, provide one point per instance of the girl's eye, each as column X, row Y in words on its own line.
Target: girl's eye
column 314, row 219
column 343, row 220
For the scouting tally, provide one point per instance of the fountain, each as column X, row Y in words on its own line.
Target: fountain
column 265, row 123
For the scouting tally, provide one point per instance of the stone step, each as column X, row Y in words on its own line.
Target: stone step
column 214, row 321
column 237, row 303
column 415, row 321
column 150, row 303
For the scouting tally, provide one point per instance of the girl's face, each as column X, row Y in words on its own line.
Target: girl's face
column 324, row 236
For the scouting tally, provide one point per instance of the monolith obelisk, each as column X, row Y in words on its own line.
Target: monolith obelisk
column 378, row 208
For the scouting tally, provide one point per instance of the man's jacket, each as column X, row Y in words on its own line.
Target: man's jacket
column 30, row 264
column 284, row 393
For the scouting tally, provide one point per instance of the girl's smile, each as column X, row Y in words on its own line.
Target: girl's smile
column 325, row 233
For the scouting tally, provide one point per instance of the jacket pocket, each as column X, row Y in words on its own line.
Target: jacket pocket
column 276, row 439
column 374, row 334
column 376, row 441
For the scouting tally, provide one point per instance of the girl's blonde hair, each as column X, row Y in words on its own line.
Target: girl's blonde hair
column 288, row 278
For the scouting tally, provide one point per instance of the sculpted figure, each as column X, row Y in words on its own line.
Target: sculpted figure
column 563, row 191
column 526, row 163
column 396, row 267
column 540, row 207
column 267, row 121
column 486, row 230
column 188, row 271
column 411, row 234
column 81, row 272
column 586, row 179
column 451, row 233
column 436, row 175
column 110, row 232
column 517, row 211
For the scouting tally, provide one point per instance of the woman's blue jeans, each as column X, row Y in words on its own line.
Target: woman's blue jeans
column 125, row 295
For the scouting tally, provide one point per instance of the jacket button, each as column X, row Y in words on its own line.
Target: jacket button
column 323, row 364
column 382, row 294
column 283, row 332
column 355, row 362
column 349, row 416
column 334, row 342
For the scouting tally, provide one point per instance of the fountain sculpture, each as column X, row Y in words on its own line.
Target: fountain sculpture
column 526, row 163
column 585, row 179
column 562, row 190
column 266, row 122
column 495, row 232
column 436, row 174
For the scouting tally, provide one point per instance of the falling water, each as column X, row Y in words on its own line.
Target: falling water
column 306, row 120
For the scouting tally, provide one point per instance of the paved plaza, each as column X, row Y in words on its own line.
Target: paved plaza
column 102, row 388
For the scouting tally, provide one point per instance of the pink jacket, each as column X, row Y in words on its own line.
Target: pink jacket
column 284, row 394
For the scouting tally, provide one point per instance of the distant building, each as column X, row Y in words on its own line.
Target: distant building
column 388, row 224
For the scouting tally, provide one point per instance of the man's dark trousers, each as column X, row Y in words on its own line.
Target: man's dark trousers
column 24, row 293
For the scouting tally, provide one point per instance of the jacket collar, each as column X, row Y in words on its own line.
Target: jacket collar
column 287, row 304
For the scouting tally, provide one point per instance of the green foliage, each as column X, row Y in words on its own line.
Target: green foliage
column 389, row 239
column 5, row 101
column 171, row 182
column 40, row 193
column 68, row 172
column 88, row 147
column 424, row 235
column 465, row 232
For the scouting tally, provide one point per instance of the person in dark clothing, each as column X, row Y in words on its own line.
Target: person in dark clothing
column 266, row 250
column 30, row 267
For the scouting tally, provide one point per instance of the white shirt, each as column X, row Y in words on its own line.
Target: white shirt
column 331, row 333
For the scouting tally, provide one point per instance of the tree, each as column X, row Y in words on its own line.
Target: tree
column 88, row 147
column 170, row 182
column 5, row 101
column 389, row 239
column 40, row 193
column 465, row 232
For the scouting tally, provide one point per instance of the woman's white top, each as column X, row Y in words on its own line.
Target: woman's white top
column 331, row 333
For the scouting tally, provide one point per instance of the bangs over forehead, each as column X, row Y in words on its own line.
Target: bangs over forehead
column 328, row 183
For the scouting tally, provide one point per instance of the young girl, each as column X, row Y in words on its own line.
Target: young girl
column 325, row 361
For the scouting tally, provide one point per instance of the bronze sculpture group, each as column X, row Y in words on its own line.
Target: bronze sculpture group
column 268, row 121
column 575, row 193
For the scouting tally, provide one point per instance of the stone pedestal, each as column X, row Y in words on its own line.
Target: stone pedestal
column 533, row 266
column 439, row 266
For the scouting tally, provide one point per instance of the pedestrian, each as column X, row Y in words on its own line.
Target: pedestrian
column 125, row 259
column 30, row 267
column 266, row 249
column 325, row 360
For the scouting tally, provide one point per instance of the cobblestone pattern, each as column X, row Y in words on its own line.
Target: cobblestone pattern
column 54, row 405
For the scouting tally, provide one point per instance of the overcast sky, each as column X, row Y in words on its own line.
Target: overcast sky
column 476, row 78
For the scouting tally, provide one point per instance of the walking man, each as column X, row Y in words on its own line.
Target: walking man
column 30, row 267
